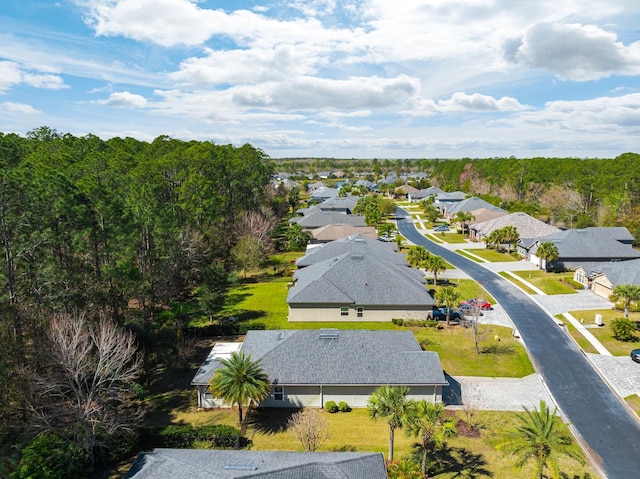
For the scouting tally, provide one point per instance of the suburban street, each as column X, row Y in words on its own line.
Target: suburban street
column 608, row 430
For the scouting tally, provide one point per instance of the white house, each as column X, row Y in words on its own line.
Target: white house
column 311, row 367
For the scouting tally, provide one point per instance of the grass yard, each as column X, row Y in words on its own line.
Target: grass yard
column 467, row 288
column 604, row 334
column 355, row 431
column 455, row 347
column 550, row 283
column 469, row 256
column 578, row 337
column 518, row 283
column 450, row 237
column 491, row 255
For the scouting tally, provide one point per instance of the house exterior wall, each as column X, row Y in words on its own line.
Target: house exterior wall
column 317, row 396
column 311, row 313
column 581, row 277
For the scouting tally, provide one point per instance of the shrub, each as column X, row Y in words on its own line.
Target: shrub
column 432, row 323
column 343, row 407
column 397, row 321
column 624, row 329
column 49, row 456
column 187, row 436
column 331, row 406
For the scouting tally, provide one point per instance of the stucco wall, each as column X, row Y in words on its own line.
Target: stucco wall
column 316, row 396
column 369, row 314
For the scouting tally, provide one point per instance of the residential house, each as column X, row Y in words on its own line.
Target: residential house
column 603, row 277
column 526, row 225
column 343, row 204
column 334, row 232
column 307, row 368
column 322, row 194
column 466, row 205
column 358, row 287
column 405, row 191
column 424, row 194
column 357, row 244
column 221, row 464
column 315, row 186
column 577, row 247
column 319, row 218
column 485, row 214
column 448, row 199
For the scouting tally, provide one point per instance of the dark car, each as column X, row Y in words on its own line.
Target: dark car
column 440, row 314
column 441, row 228
column 635, row 355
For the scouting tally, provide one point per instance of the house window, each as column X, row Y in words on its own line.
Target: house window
column 360, row 312
column 579, row 277
column 278, row 393
column 344, row 311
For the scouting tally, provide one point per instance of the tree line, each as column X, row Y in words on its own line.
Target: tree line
column 104, row 242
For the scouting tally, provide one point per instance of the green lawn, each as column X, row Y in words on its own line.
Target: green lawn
column 355, row 431
column 467, row 288
column 603, row 333
column 519, row 284
column 634, row 402
column 579, row 338
column 450, row 237
column 550, row 283
column 491, row 255
column 468, row 255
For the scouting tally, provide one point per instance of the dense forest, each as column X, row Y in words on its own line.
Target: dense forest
column 105, row 241
column 97, row 234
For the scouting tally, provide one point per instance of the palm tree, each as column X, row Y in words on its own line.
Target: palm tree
column 494, row 238
column 390, row 403
column 448, row 296
column 436, row 265
column 427, row 421
column 241, row 381
column 541, row 437
column 417, row 255
column 627, row 293
column 510, row 235
column 463, row 217
column 548, row 252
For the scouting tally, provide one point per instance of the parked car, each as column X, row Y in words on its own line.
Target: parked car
column 635, row 355
column 440, row 314
column 388, row 239
column 441, row 228
column 478, row 303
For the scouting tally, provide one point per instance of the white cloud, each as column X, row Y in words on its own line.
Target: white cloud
column 18, row 108
column 578, row 52
column 318, row 93
column 124, row 99
column 50, row 82
column 10, row 75
column 460, row 101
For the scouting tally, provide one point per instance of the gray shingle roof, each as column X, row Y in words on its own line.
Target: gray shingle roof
column 339, row 203
column 336, row 232
column 345, row 357
column 469, row 204
column 591, row 244
column 527, row 226
column 624, row 272
column 319, row 218
column 364, row 280
column 353, row 244
column 212, row 464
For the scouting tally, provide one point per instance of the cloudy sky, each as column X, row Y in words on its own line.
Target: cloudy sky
column 331, row 78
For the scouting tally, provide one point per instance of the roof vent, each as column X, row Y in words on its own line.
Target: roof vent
column 330, row 333
column 240, row 467
column 357, row 256
column 281, row 336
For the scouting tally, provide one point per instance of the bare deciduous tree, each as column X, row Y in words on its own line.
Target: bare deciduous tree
column 88, row 389
column 310, row 428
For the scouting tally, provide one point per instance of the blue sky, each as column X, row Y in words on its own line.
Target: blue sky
column 330, row 78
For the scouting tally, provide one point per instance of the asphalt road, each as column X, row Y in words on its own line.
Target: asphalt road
column 608, row 430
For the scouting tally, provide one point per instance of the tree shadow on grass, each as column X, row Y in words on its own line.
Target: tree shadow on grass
column 504, row 349
column 270, row 421
column 459, row 461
